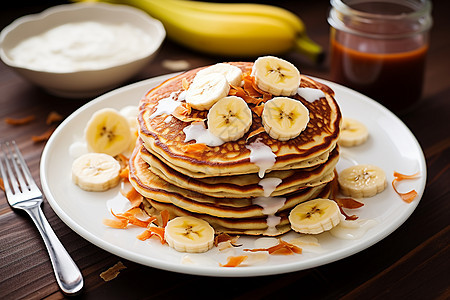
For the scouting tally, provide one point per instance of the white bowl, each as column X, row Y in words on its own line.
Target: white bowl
column 85, row 82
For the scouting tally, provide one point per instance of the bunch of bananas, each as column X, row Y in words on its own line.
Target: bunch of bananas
column 230, row 29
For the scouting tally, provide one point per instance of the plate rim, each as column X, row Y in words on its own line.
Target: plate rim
column 215, row 271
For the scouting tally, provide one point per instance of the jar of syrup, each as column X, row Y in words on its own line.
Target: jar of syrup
column 378, row 47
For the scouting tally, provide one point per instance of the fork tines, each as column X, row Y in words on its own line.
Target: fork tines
column 14, row 170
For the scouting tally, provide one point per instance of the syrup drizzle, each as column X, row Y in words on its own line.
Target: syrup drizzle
column 262, row 156
column 310, row 94
column 269, row 185
column 198, row 132
column 352, row 230
column 270, row 205
column 166, row 105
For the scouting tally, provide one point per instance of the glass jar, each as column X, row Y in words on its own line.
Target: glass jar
column 378, row 47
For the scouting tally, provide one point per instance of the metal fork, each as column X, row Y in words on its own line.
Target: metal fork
column 23, row 193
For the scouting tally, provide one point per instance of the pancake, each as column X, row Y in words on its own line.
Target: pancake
column 253, row 226
column 309, row 163
column 241, row 226
column 152, row 186
column 163, row 135
column 240, row 186
column 223, row 185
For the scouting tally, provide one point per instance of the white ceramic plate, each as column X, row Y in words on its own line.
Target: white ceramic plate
column 391, row 146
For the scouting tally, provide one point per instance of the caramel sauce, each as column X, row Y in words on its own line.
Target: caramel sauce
column 392, row 79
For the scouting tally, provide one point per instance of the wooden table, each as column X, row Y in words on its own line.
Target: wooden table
column 411, row 263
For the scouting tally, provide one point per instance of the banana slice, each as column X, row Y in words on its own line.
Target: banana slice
column 284, row 118
column 353, row 133
column 230, row 118
column 189, row 234
column 276, row 76
column 233, row 74
column 108, row 132
column 315, row 216
column 96, row 172
column 362, row 181
column 207, row 90
column 131, row 113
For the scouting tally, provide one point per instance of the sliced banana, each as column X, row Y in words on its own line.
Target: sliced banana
column 96, row 172
column 189, row 234
column 353, row 133
column 131, row 113
column 315, row 216
column 362, row 181
column 284, row 118
column 207, row 90
column 276, row 76
column 230, row 118
column 232, row 73
column 108, row 132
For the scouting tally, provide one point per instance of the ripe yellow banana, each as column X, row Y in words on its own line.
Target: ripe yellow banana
column 245, row 9
column 230, row 29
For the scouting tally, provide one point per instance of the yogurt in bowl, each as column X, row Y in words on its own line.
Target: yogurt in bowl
column 83, row 49
column 81, row 46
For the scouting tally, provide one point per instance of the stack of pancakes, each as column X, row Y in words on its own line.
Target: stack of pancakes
column 221, row 184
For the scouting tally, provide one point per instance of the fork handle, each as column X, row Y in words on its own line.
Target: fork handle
column 68, row 276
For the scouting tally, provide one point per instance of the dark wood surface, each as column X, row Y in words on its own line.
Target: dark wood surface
column 411, row 263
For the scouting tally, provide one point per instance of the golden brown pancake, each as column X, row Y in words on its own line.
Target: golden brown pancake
column 252, row 226
column 240, row 186
column 163, row 135
column 221, row 184
column 152, row 186
column 242, row 226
